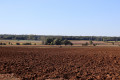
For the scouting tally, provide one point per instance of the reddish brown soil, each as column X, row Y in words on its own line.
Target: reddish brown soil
column 88, row 63
column 8, row 77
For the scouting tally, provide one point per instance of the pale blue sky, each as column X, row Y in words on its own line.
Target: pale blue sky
column 60, row 17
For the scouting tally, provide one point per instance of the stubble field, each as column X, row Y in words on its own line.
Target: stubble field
column 84, row 63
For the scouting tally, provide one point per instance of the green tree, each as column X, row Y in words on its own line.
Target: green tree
column 48, row 41
column 66, row 42
column 94, row 44
column 71, row 44
column 27, row 44
column 17, row 43
column 91, row 42
column 9, row 43
column 85, row 44
column 57, row 42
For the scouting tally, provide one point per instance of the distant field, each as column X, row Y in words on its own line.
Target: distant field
column 21, row 42
column 80, row 42
column 75, row 42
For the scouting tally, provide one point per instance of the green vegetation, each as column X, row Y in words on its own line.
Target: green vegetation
column 94, row 44
column 66, row 42
column 54, row 41
column 57, row 42
column 43, row 38
column 91, row 42
column 17, row 43
column 85, row 44
column 27, row 44
column 2, row 43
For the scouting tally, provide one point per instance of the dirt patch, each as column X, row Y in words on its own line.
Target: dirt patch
column 90, row 63
column 8, row 77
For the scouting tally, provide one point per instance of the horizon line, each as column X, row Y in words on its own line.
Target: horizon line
column 59, row 35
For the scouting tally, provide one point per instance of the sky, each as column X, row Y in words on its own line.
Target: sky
column 60, row 17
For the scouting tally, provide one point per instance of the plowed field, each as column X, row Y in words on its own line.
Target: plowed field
column 85, row 63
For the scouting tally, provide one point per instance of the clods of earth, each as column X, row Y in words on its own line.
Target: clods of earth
column 85, row 63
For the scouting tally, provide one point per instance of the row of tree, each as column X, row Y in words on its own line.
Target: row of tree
column 53, row 41
column 42, row 37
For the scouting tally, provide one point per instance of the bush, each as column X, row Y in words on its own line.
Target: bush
column 71, row 44
column 51, row 43
column 17, row 43
column 0, row 43
column 91, row 42
column 57, row 42
column 85, row 44
column 27, row 44
column 94, row 44
column 48, row 41
column 66, row 42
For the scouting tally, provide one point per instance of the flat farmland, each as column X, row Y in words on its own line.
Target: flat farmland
column 84, row 63
column 99, row 43
column 38, row 43
column 21, row 42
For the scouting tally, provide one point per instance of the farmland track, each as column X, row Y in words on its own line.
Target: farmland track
column 90, row 63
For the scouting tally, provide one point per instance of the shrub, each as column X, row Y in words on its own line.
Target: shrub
column 3, row 43
column 48, row 41
column 71, row 44
column 51, row 43
column 0, row 43
column 94, row 44
column 66, row 42
column 27, row 44
column 17, row 43
column 57, row 42
column 91, row 42
column 85, row 44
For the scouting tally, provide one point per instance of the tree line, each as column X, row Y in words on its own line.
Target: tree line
column 44, row 37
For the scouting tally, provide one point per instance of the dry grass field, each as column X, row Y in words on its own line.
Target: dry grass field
column 84, row 63
column 75, row 43
column 21, row 42
column 100, row 43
